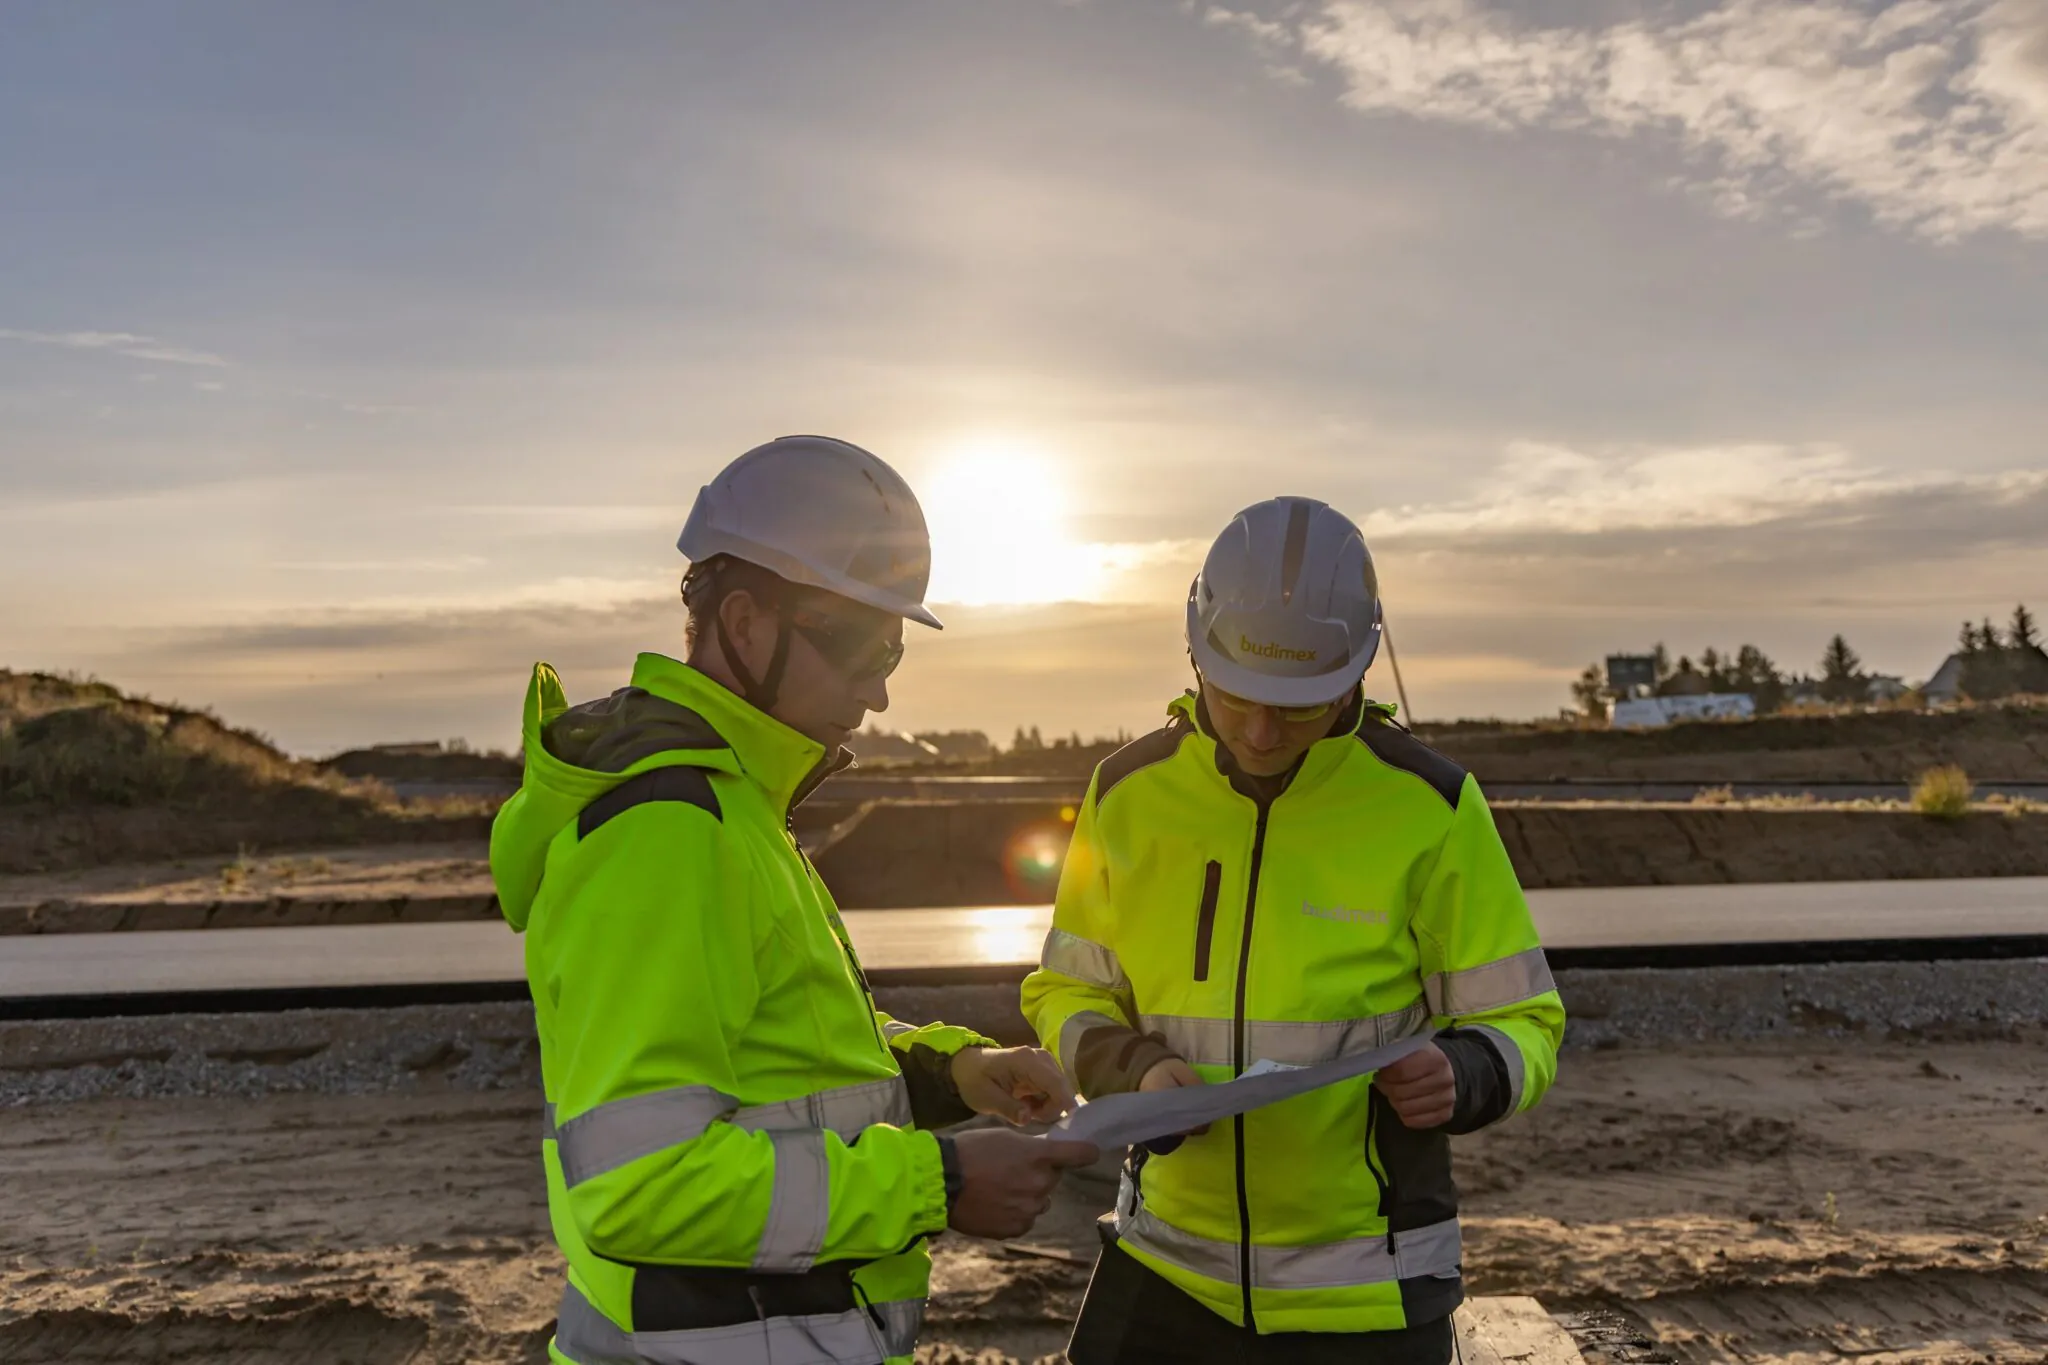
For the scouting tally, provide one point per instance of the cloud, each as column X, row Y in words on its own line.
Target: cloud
column 121, row 343
column 1933, row 116
column 1495, row 606
column 444, row 564
column 1547, row 487
column 1771, row 514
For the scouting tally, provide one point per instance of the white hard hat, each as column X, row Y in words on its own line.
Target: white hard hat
column 1286, row 610
column 820, row 512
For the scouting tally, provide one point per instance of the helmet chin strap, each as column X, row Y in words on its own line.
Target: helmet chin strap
column 760, row 694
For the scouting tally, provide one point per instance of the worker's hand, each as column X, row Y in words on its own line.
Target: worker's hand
column 1171, row 1074
column 1021, row 1084
column 1007, row 1179
column 1422, row 1088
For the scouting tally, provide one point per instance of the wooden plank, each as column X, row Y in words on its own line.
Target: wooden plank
column 1512, row 1331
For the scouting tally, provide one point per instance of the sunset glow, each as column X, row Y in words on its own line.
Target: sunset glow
column 998, row 511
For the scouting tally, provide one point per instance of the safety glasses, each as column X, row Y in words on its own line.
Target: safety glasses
column 1238, row 706
column 859, row 655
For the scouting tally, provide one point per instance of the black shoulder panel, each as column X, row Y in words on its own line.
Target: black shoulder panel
column 1141, row 752
column 689, row 785
column 613, row 733
column 1396, row 748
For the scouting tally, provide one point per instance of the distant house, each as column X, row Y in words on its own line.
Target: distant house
column 889, row 749
column 1688, row 682
column 1946, row 686
column 1631, row 675
column 960, row 746
column 1886, row 687
column 1643, row 713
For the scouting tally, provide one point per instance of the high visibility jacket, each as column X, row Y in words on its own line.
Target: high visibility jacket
column 733, row 1170
column 1200, row 915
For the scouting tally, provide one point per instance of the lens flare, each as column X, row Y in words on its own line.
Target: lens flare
column 1032, row 858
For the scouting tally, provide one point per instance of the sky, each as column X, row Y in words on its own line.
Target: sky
column 354, row 356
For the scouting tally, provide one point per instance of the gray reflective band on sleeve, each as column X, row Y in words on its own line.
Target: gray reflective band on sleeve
column 1434, row 1250
column 895, row 1029
column 800, row 1206
column 1511, row 1054
column 1071, row 955
column 588, row 1337
column 844, row 1110
column 1496, row 985
column 547, row 1122
column 622, row 1131
column 1207, row 1041
column 619, row 1132
column 1077, row 1027
column 902, row 1320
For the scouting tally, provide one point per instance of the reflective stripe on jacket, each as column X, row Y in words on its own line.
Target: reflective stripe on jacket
column 733, row 1164
column 1203, row 917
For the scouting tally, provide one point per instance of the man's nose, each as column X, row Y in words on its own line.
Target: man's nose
column 1262, row 727
column 873, row 693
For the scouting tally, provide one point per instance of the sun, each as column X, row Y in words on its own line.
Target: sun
column 998, row 514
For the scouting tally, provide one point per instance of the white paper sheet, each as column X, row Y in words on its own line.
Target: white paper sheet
column 1120, row 1120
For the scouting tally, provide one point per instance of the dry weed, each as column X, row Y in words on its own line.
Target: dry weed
column 1943, row 793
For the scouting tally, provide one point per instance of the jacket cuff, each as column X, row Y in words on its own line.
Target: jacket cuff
column 1485, row 1094
column 1110, row 1059
column 934, row 1098
column 949, row 1165
column 928, row 1171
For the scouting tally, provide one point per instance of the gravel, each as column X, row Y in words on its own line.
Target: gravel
column 492, row 1046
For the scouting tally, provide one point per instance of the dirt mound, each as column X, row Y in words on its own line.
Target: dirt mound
column 90, row 776
column 2008, row 742
column 427, row 763
column 1556, row 844
column 896, row 854
column 65, row 743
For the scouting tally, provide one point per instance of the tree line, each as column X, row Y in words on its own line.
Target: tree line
column 1994, row 664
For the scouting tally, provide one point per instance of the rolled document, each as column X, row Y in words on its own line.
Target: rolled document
column 1140, row 1116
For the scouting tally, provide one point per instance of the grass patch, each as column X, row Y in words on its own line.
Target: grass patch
column 1943, row 793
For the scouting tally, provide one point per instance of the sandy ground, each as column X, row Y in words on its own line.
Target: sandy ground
column 1789, row 1203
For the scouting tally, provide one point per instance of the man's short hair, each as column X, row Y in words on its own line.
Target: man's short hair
column 707, row 585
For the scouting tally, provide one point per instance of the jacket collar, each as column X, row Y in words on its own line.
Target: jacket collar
column 1321, row 759
column 786, row 765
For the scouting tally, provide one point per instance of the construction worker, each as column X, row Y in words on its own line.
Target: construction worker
column 739, row 1160
column 1282, row 873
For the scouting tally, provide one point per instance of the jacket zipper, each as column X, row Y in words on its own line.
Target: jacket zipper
column 1205, row 921
column 845, row 948
column 1237, row 1062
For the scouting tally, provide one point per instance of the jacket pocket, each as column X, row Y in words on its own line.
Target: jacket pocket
column 1205, row 921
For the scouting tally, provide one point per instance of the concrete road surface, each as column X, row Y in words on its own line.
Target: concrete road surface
column 56, row 965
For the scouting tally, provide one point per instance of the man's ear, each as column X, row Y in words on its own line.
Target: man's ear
column 742, row 616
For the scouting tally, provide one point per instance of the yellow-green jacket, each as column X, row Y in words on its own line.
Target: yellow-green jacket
column 1202, row 915
column 735, row 1169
